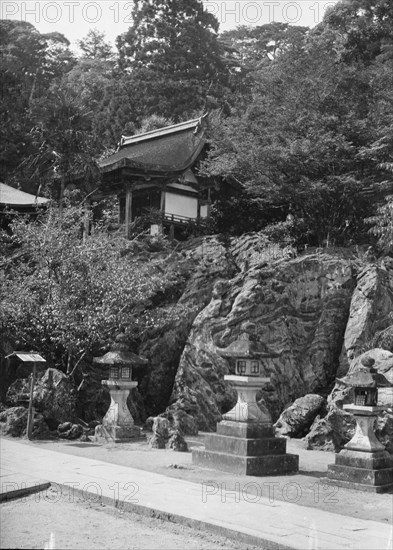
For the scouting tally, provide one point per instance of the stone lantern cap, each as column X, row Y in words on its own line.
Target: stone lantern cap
column 119, row 354
column 245, row 346
column 366, row 376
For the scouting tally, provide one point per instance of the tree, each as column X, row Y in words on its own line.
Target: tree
column 365, row 28
column 30, row 62
column 64, row 149
column 94, row 46
column 174, row 56
column 383, row 225
column 255, row 46
column 298, row 144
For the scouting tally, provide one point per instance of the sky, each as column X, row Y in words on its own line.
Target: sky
column 74, row 18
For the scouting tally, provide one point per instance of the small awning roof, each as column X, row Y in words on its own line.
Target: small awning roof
column 9, row 196
column 167, row 150
column 27, row 357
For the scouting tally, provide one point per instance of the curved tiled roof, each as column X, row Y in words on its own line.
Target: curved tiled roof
column 9, row 196
column 172, row 149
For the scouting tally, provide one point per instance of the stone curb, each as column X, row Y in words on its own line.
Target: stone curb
column 150, row 512
column 24, row 491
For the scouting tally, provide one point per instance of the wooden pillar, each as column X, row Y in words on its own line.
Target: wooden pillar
column 162, row 203
column 119, row 216
column 30, row 414
column 210, row 202
column 128, row 214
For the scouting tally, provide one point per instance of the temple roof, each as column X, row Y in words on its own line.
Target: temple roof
column 166, row 150
column 9, row 196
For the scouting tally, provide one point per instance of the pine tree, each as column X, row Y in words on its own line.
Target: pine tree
column 173, row 51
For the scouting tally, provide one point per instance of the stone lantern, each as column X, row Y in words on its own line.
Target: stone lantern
column 118, row 424
column 247, row 381
column 364, row 463
column 245, row 441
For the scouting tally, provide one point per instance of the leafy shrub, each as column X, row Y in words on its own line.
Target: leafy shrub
column 65, row 295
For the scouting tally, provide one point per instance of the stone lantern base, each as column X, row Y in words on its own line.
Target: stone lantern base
column 245, row 443
column 363, row 464
column 246, row 448
column 118, row 425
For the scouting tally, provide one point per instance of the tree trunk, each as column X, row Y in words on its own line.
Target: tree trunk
column 62, row 188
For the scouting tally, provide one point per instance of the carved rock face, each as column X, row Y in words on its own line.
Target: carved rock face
column 299, row 308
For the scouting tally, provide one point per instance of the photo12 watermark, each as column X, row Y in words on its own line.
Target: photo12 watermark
column 262, row 12
column 228, row 12
column 273, row 491
column 92, row 492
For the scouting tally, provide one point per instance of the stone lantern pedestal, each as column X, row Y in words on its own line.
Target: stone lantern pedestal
column 363, row 464
column 118, row 424
column 245, row 443
column 246, row 408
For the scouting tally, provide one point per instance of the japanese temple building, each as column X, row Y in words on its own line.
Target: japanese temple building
column 157, row 170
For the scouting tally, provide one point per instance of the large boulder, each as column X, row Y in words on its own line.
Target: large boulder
column 332, row 432
column 177, row 442
column 296, row 420
column 160, row 431
column 68, row 430
column 54, row 396
column 300, row 308
column 13, row 421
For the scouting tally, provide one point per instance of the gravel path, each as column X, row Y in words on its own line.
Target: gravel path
column 39, row 521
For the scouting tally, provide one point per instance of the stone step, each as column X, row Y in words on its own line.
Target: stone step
column 357, row 459
column 248, row 430
column 245, row 447
column 246, row 465
column 357, row 486
column 365, row 476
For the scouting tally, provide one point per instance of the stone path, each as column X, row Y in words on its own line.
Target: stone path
column 254, row 519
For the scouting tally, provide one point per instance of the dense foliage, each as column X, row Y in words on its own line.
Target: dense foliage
column 302, row 118
column 67, row 296
column 313, row 136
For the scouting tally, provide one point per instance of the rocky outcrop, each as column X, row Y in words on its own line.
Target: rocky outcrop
column 200, row 263
column 296, row 420
column 314, row 314
column 160, row 431
column 54, row 396
column 68, row 430
column 13, row 421
column 370, row 313
column 177, row 442
column 332, row 432
column 300, row 308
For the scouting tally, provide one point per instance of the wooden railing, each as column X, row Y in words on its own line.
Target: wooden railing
column 176, row 218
